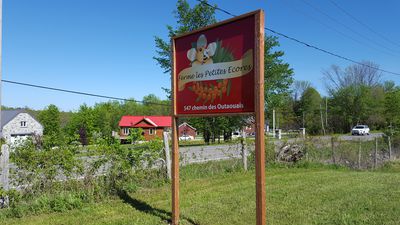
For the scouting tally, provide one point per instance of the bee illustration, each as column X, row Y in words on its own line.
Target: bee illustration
column 202, row 53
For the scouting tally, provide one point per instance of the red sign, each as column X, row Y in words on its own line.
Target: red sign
column 214, row 69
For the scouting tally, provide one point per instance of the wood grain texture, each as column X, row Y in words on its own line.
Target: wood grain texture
column 259, row 103
column 175, row 147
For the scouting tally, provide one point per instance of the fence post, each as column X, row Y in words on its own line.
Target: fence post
column 333, row 150
column 305, row 148
column 4, row 165
column 167, row 154
column 4, row 178
column 390, row 148
column 359, row 154
column 244, row 150
column 376, row 153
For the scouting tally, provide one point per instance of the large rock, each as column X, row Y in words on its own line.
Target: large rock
column 290, row 153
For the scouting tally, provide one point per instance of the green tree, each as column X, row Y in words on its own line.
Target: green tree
column 187, row 19
column 135, row 135
column 286, row 117
column 310, row 103
column 152, row 105
column 131, row 108
column 50, row 119
column 354, row 105
column 106, row 117
column 357, row 96
column 392, row 108
column 82, row 124
column 213, row 128
column 278, row 76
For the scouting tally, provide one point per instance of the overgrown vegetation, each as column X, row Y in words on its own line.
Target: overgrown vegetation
column 360, row 154
column 59, row 178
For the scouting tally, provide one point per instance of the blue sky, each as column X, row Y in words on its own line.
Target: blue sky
column 106, row 47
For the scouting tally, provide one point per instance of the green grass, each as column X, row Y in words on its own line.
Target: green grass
column 310, row 195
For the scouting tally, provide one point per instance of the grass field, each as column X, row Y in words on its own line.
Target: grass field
column 318, row 195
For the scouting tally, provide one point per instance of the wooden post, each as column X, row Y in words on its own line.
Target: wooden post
column 167, row 155
column 175, row 173
column 390, row 148
column 175, row 146
column 260, row 123
column 244, row 150
column 258, row 111
column 359, row 154
column 322, row 121
column 273, row 123
column 326, row 114
column 376, row 153
column 4, row 166
column 333, row 151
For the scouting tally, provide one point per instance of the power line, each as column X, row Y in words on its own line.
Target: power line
column 363, row 24
column 360, row 42
column 346, row 26
column 161, row 104
column 306, row 44
column 331, row 53
column 82, row 93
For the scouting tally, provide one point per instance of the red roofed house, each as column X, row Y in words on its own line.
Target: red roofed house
column 153, row 126
column 185, row 130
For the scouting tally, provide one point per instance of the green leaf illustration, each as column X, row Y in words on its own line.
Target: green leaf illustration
column 228, row 89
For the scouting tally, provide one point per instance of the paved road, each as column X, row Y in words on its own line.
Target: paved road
column 221, row 152
column 364, row 138
column 206, row 153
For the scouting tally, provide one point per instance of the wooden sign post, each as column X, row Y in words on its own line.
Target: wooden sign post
column 219, row 71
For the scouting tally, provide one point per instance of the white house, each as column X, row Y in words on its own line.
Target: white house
column 18, row 125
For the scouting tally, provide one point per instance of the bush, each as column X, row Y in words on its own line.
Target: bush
column 39, row 169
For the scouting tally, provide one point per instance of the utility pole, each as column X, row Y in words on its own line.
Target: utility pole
column 273, row 122
column 322, row 120
column 389, row 142
column 277, row 122
column 326, row 113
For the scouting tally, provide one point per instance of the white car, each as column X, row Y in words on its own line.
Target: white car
column 236, row 135
column 360, row 130
column 186, row 138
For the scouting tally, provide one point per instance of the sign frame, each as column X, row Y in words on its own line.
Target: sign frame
column 258, row 114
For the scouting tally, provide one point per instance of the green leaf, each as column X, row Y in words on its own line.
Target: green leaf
column 222, row 54
column 228, row 89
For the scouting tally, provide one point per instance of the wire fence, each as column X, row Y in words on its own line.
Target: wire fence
column 355, row 153
column 363, row 153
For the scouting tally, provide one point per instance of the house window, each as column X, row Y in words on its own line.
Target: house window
column 152, row 131
column 125, row 130
column 23, row 124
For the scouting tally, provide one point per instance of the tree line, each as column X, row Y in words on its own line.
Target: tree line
column 354, row 95
column 90, row 123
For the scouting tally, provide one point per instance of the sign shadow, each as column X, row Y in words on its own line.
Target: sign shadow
column 148, row 209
